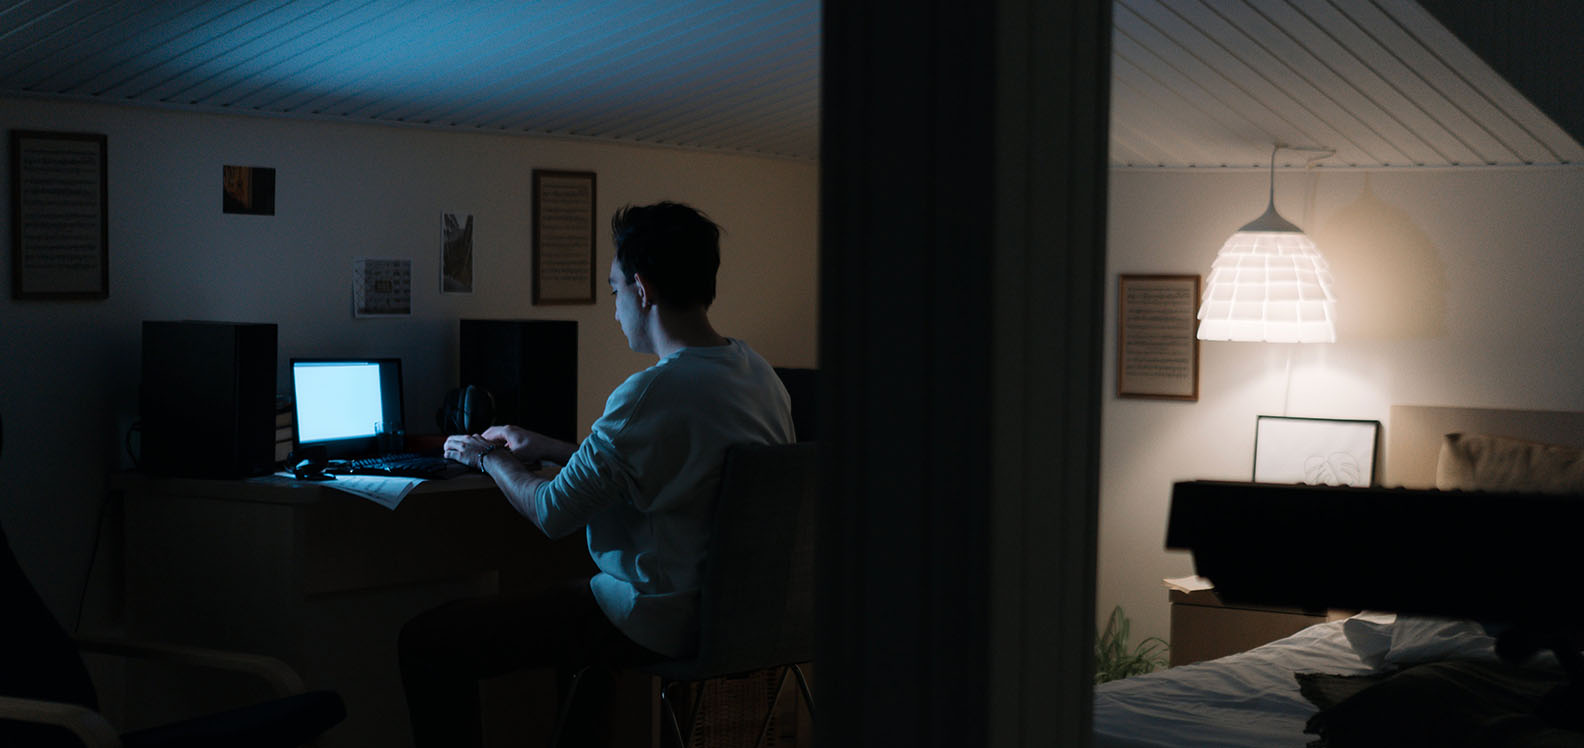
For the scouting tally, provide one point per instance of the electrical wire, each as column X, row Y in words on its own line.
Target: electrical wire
column 99, row 520
column 126, row 442
column 93, row 559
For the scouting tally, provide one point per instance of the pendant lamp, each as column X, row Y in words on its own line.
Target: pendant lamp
column 1269, row 283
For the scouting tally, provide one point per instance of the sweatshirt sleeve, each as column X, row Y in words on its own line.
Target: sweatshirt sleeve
column 595, row 477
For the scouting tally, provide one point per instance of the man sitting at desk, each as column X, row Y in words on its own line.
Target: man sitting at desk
column 642, row 484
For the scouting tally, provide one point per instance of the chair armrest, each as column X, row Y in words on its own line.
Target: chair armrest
column 88, row 725
column 280, row 676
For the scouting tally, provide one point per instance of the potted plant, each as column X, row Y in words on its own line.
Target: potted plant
column 1115, row 660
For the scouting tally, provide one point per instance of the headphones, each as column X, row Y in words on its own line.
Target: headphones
column 468, row 409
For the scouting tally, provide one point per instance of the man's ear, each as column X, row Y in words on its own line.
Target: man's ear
column 645, row 294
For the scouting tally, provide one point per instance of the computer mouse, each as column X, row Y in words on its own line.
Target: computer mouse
column 311, row 470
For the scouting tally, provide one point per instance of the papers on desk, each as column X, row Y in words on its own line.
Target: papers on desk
column 387, row 491
column 1187, row 584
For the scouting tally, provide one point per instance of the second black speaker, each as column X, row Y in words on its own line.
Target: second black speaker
column 530, row 366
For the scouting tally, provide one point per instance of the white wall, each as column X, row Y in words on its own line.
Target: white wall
column 1455, row 287
column 69, row 370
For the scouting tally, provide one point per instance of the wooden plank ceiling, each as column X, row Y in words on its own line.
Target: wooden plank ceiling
column 1196, row 83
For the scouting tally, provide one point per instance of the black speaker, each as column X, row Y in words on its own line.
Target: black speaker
column 208, row 399
column 530, row 367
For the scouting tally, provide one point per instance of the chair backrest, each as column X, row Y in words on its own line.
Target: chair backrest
column 38, row 659
column 756, row 608
column 802, row 386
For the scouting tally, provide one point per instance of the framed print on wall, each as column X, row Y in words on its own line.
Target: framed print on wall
column 249, row 190
column 456, row 253
column 563, row 237
column 381, row 287
column 59, row 228
column 1316, row 451
column 1157, row 346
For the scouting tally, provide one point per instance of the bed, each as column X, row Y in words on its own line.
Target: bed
column 1379, row 678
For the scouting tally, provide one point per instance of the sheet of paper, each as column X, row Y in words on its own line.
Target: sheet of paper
column 1187, row 584
column 386, row 491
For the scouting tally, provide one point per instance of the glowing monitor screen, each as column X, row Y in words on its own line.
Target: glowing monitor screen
column 344, row 405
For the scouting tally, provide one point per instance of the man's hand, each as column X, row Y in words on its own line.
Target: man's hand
column 514, row 437
column 529, row 446
column 465, row 448
column 512, row 476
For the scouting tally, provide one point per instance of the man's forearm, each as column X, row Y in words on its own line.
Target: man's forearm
column 517, row 482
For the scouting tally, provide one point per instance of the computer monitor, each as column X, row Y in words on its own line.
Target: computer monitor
column 345, row 405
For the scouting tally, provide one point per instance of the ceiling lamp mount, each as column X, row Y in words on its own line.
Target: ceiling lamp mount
column 1269, row 283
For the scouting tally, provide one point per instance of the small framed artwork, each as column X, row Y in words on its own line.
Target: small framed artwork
column 1316, row 451
column 60, row 238
column 563, row 237
column 381, row 287
column 456, row 253
column 249, row 190
column 1157, row 346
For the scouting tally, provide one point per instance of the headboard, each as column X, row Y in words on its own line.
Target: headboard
column 1414, row 434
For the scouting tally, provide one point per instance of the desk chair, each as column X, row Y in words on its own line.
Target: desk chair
column 756, row 608
column 47, row 698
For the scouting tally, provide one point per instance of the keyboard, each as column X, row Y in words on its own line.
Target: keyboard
column 403, row 465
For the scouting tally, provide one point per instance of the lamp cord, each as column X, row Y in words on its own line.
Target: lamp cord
column 1287, row 395
column 1324, row 154
column 1272, row 181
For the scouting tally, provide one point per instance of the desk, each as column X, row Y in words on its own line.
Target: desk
column 324, row 580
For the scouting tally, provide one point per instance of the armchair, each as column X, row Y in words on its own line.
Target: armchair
column 47, row 698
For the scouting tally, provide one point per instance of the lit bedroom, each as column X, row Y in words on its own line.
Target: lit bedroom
column 1457, row 318
column 1434, row 163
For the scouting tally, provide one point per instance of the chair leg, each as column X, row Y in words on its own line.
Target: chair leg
column 808, row 697
column 566, row 708
column 764, row 729
column 698, row 700
column 670, row 714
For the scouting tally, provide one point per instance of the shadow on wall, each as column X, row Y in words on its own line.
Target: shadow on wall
column 1390, row 282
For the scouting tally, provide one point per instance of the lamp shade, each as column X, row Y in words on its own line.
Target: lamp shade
column 1269, row 284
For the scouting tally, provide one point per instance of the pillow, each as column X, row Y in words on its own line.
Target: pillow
column 1483, row 462
column 1370, row 635
column 1416, row 639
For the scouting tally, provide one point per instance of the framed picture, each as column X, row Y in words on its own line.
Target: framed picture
column 1316, row 451
column 249, row 190
column 456, row 253
column 563, row 237
column 59, row 230
column 1157, row 346
column 381, row 287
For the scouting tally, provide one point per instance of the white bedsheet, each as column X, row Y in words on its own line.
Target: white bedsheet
column 1248, row 699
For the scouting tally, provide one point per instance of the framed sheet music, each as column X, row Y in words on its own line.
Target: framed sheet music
column 59, row 227
column 563, row 237
column 1157, row 350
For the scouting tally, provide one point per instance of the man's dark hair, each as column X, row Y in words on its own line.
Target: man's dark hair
column 673, row 246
